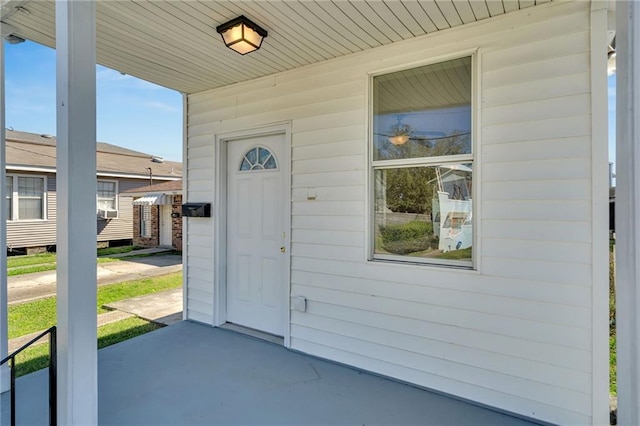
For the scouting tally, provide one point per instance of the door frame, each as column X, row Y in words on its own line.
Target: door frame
column 220, row 219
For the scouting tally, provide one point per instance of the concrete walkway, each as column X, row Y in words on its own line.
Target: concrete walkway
column 164, row 307
column 150, row 250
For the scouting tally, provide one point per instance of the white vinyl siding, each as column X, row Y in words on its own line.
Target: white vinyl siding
column 198, row 268
column 515, row 334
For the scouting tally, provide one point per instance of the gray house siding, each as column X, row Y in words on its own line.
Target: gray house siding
column 35, row 233
column 122, row 227
column 42, row 233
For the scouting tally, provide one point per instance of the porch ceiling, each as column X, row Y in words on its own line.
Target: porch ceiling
column 175, row 44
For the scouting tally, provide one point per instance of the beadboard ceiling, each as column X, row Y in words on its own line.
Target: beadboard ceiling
column 175, row 44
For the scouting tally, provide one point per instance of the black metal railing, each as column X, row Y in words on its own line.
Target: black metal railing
column 53, row 375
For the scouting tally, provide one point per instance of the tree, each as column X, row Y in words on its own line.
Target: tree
column 411, row 189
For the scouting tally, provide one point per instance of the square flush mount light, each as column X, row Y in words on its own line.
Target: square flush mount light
column 242, row 35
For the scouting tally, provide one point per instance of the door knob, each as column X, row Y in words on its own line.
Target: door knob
column 282, row 249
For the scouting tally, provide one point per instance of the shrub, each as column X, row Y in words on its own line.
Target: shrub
column 407, row 231
column 407, row 246
column 407, row 238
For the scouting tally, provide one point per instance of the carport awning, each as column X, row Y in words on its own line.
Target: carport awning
column 153, row 199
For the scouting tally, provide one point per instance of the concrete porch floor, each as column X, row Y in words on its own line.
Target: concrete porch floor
column 191, row 374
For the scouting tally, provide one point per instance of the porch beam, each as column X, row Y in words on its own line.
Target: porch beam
column 628, row 211
column 76, row 207
column 4, row 333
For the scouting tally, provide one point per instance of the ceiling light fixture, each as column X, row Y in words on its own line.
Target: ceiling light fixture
column 399, row 140
column 611, row 58
column 242, row 35
column 399, row 133
column 14, row 39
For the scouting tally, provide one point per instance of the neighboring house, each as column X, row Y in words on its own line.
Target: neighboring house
column 414, row 188
column 31, row 181
column 157, row 219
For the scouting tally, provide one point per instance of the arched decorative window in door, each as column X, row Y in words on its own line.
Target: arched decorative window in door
column 258, row 158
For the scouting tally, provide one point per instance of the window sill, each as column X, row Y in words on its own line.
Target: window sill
column 440, row 267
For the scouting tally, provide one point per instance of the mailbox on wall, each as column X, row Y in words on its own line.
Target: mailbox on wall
column 196, row 210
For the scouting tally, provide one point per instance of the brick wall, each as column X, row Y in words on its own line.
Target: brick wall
column 176, row 223
column 154, row 239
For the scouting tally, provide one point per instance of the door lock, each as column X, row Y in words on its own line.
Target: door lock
column 282, row 249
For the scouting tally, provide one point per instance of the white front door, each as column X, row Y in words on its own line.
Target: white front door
column 165, row 225
column 256, row 234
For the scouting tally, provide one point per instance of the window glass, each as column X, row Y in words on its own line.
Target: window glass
column 30, row 198
column 424, row 212
column 107, row 195
column 145, row 221
column 258, row 159
column 423, row 112
column 423, row 164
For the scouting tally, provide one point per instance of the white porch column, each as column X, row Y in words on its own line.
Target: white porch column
column 4, row 334
column 628, row 211
column 76, row 206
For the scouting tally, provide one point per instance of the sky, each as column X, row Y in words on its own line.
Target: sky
column 612, row 119
column 131, row 113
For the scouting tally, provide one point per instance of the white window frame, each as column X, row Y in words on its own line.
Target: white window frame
column 15, row 198
column 472, row 158
column 116, row 195
column 9, row 197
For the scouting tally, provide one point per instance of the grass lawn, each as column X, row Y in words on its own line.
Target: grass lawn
column 34, row 259
column 31, row 269
column 19, row 265
column 128, row 289
column 44, row 258
column 39, row 315
column 116, row 250
column 37, row 357
column 30, row 317
column 462, row 254
column 613, row 387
